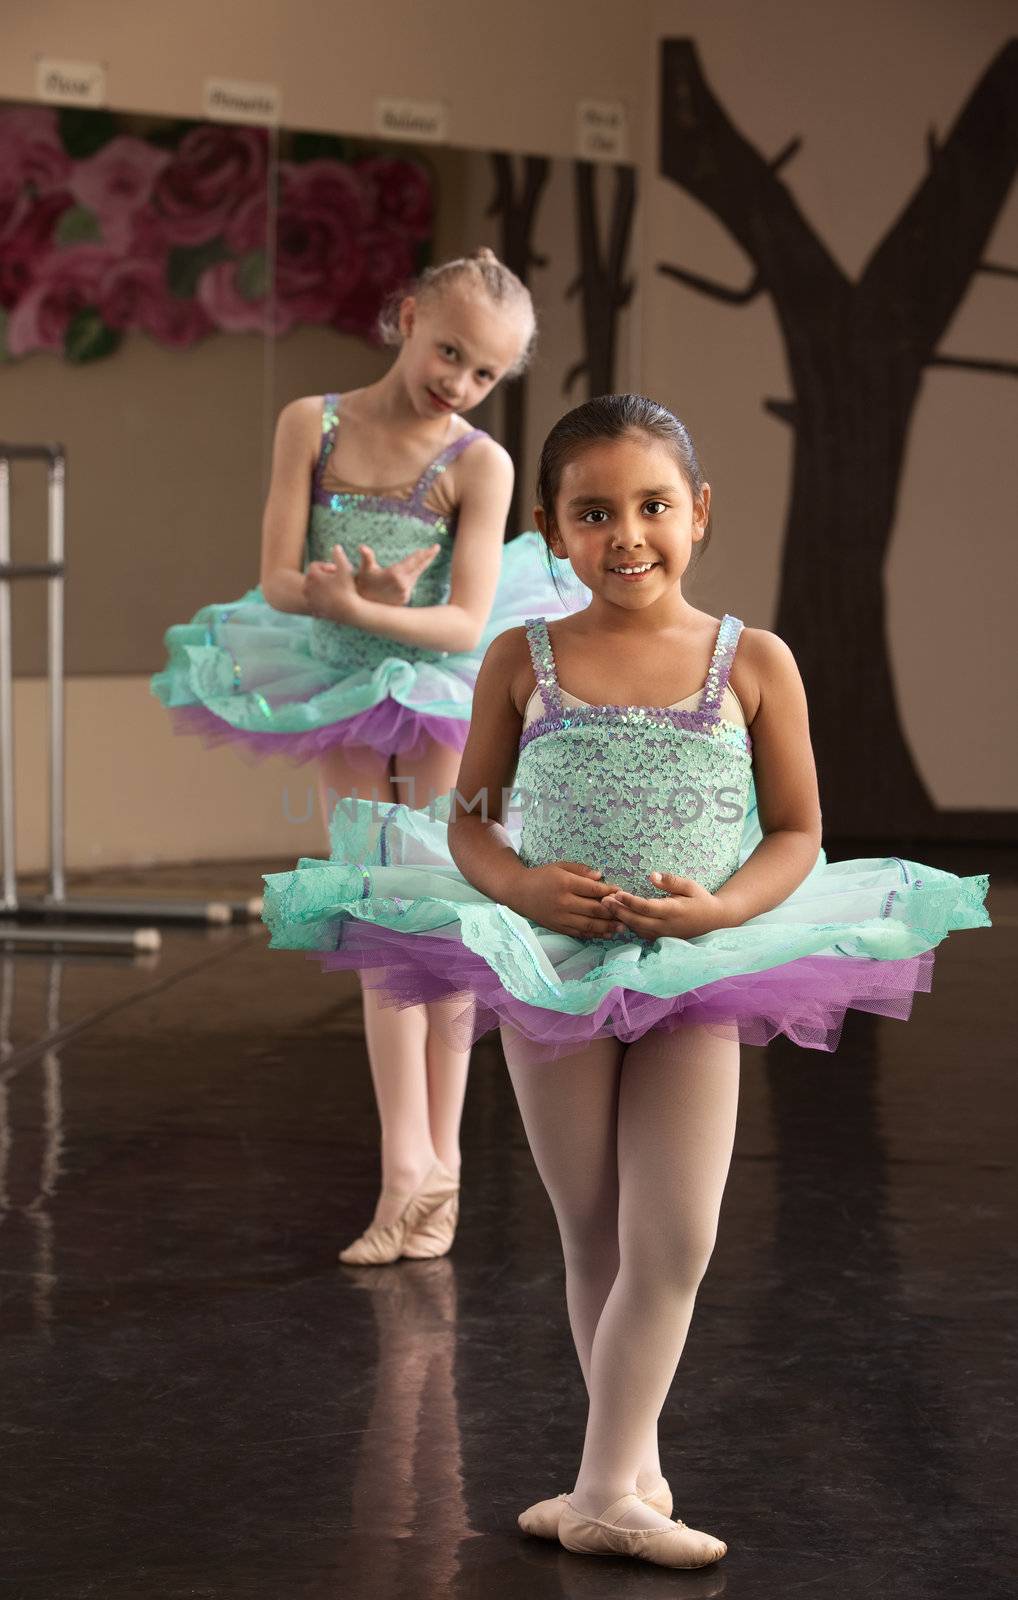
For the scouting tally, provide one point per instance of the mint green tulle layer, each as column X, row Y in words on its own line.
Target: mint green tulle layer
column 256, row 671
column 393, row 870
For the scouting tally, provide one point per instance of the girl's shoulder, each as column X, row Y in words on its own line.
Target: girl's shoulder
column 766, row 651
column 508, row 660
column 763, row 664
column 309, row 405
column 303, row 418
column 299, row 429
column 318, row 413
column 481, row 456
column 480, row 480
column 509, row 649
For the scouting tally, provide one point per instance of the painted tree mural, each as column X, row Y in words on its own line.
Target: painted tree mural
column 857, row 353
column 601, row 282
column 517, row 194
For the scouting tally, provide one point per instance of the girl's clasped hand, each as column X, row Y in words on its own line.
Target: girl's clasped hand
column 333, row 589
column 567, row 897
column 687, row 910
column 570, row 897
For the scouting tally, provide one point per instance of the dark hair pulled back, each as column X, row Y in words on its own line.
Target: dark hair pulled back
column 613, row 416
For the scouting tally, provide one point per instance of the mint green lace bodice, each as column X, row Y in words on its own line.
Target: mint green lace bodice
column 394, row 526
column 635, row 789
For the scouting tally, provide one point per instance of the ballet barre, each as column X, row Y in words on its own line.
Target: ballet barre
column 14, row 910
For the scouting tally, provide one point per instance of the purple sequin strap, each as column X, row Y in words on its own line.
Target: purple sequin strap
column 447, row 457
column 720, row 665
column 330, row 423
column 544, row 666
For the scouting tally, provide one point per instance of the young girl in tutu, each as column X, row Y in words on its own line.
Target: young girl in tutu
column 661, row 897
column 366, row 658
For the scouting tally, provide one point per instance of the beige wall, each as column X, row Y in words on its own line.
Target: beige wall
column 137, row 793
column 509, row 75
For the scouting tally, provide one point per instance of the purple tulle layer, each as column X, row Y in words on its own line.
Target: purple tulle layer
column 805, row 999
column 389, row 727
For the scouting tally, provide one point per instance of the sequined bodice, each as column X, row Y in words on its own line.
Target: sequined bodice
column 393, row 526
column 635, row 789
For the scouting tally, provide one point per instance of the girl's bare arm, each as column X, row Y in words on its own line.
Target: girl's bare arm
column 478, row 841
column 565, row 896
column 284, row 523
column 786, row 784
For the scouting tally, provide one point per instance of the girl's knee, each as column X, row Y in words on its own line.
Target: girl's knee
column 676, row 1256
column 589, row 1237
column 591, row 1253
column 693, row 1259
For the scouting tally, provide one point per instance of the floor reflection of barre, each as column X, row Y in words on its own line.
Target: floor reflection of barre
column 55, row 904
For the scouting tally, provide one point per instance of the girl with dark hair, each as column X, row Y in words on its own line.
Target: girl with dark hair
column 660, row 897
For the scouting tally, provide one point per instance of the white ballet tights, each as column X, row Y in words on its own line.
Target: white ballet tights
column 633, row 1144
column 419, row 1078
column 419, row 1082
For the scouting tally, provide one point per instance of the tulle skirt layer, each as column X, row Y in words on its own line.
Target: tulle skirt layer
column 391, row 904
column 249, row 675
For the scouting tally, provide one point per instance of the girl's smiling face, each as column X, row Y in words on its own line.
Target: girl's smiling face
column 456, row 347
column 626, row 519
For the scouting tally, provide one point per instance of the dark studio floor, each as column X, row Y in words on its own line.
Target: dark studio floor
column 198, row 1402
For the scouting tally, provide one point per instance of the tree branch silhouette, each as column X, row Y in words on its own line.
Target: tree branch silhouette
column 715, row 291
column 857, row 354
column 1007, row 369
column 515, row 202
column 601, row 283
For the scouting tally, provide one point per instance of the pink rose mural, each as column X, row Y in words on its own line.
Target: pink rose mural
column 105, row 232
column 212, row 172
column 133, row 294
column 31, row 151
column 115, row 184
column 319, row 260
column 66, row 286
column 27, row 242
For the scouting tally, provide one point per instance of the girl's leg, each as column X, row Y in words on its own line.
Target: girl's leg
column 678, row 1097
column 447, row 1066
column 418, row 780
column 345, row 771
column 570, row 1112
column 396, row 1039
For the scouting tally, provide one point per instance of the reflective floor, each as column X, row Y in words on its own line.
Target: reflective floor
column 197, row 1402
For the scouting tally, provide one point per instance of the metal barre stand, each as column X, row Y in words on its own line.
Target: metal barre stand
column 55, row 903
